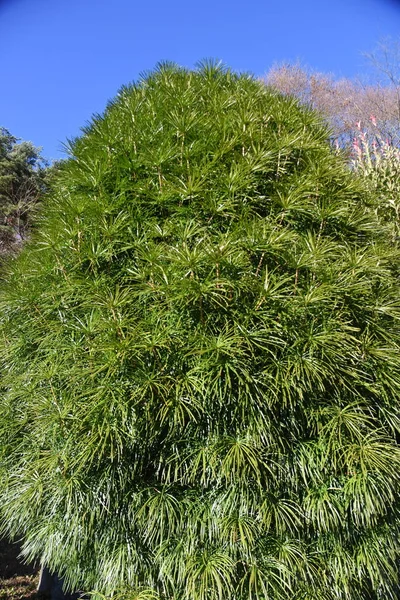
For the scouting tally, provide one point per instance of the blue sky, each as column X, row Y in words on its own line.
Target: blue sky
column 62, row 60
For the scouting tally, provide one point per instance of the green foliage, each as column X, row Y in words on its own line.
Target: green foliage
column 201, row 357
column 22, row 182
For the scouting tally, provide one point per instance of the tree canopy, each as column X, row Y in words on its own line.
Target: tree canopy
column 200, row 366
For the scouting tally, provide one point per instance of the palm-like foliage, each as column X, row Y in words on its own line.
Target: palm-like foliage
column 201, row 357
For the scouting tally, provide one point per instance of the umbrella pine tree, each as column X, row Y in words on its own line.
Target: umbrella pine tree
column 200, row 361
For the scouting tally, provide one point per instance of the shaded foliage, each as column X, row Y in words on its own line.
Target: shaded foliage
column 201, row 357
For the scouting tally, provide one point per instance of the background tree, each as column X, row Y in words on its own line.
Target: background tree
column 22, row 175
column 201, row 364
column 348, row 104
column 386, row 62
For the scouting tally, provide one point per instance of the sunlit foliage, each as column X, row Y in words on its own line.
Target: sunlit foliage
column 377, row 161
column 201, row 367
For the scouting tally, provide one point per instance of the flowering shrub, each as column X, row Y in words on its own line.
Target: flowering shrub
column 378, row 162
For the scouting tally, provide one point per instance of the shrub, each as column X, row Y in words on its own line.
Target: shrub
column 377, row 161
column 201, row 363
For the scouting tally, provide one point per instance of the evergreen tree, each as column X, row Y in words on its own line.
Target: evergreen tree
column 201, row 366
column 22, row 174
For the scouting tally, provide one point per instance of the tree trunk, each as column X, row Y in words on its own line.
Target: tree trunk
column 52, row 585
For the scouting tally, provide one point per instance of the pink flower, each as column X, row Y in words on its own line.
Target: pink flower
column 356, row 146
column 373, row 120
column 358, row 124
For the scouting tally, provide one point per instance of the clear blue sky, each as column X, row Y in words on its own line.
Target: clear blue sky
column 61, row 60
